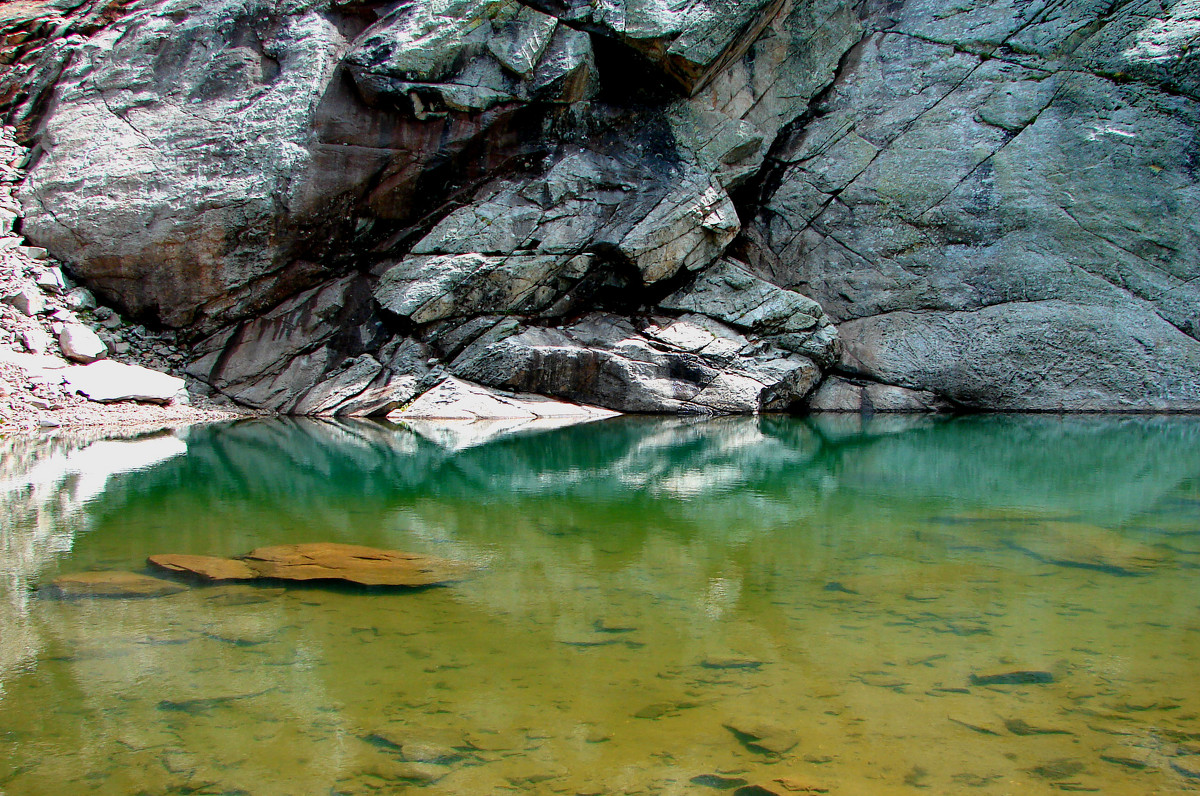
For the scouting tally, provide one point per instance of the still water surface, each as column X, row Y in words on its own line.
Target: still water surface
column 662, row 607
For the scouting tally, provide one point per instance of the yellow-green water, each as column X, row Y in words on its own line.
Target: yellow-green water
column 645, row 586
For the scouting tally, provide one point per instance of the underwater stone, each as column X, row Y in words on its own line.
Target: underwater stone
column 1013, row 678
column 366, row 566
column 762, row 736
column 108, row 584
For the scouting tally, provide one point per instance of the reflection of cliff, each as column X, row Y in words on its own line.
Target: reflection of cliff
column 45, row 485
column 1107, row 468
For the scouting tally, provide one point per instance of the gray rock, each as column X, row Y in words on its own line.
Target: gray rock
column 690, row 365
column 837, row 394
column 81, row 298
column 454, row 399
column 1033, row 356
column 273, row 361
column 35, row 339
column 27, row 301
column 80, row 343
column 469, row 56
column 310, row 356
column 427, row 288
column 661, row 219
column 973, row 223
column 107, row 381
column 51, row 280
column 688, row 41
column 237, row 166
column 730, row 294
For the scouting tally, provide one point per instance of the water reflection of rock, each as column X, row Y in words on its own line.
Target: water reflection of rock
column 45, row 484
column 720, row 551
column 1049, row 464
column 674, row 494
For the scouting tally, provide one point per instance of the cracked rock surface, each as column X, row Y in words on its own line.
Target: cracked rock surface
column 713, row 206
column 999, row 206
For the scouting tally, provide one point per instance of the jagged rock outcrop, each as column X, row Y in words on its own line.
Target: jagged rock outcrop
column 650, row 364
column 710, row 206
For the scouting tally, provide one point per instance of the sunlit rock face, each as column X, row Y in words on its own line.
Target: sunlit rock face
column 708, row 206
column 999, row 206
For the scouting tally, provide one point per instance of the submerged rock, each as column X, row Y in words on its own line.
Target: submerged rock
column 718, row 781
column 762, row 736
column 1023, row 677
column 207, row 567
column 366, row 566
column 79, row 585
column 731, row 663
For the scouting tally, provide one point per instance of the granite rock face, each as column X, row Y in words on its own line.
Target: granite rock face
column 645, row 364
column 999, row 206
column 707, row 206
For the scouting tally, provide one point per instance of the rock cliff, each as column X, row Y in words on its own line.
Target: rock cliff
column 709, row 206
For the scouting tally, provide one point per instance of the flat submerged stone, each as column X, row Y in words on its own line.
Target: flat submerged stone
column 366, row 566
column 208, row 567
column 119, row 585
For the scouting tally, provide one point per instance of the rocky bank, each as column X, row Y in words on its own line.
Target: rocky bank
column 66, row 360
column 715, row 206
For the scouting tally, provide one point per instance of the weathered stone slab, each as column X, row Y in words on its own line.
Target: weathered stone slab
column 428, row 288
column 207, row 567
column 108, row 381
column 367, row 566
column 837, row 394
column 761, row 735
column 124, row 585
column 455, row 399
column 28, row 301
column 728, row 292
column 689, row 41
column 659, row 365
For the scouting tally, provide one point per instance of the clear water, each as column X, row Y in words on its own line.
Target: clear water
column 828, row 587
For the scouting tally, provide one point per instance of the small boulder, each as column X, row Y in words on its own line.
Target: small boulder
column 81, row 299
column 27, row 300
column 80, row 343
column 35, row 339
column 51, row 280
column 34, row 252
column 106, row 381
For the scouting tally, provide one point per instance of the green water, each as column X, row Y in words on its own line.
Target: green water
column 662, row 607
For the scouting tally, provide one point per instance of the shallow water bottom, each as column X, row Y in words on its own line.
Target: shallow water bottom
column 661, row 608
